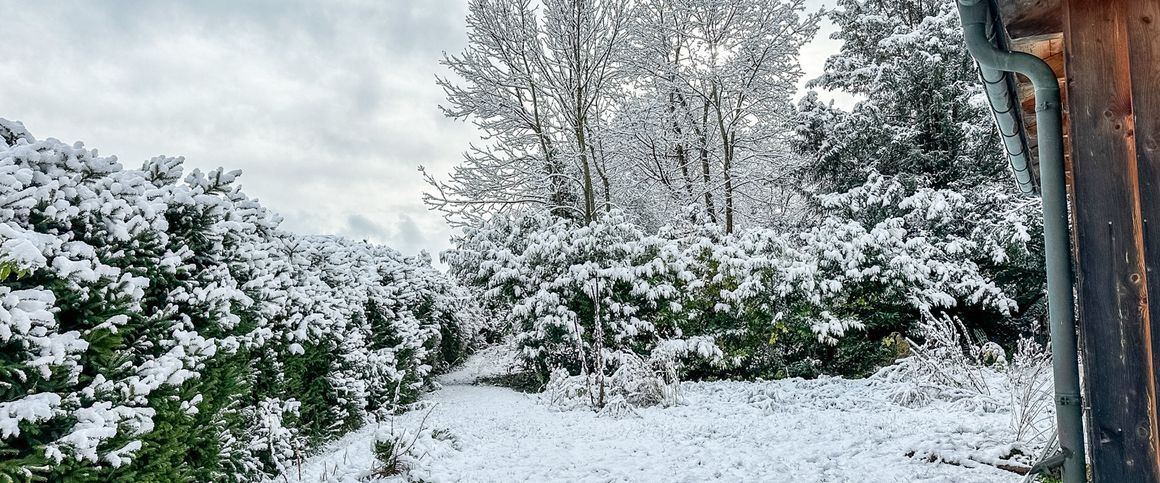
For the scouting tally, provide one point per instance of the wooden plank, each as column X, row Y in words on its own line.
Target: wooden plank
column 1143, row 23
column 1025, row 18
column 1113, row 311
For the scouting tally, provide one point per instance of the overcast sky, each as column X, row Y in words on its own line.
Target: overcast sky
column 327, row 107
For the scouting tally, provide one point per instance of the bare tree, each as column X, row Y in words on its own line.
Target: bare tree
column 503, row 90
column 531, row 80
column 725, row 73
column 663, row 108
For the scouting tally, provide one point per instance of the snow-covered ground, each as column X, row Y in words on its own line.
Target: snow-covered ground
column 826, row 430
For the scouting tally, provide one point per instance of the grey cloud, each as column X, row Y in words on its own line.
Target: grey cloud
column 363, row 228
column 409, row 232
column 327, row 107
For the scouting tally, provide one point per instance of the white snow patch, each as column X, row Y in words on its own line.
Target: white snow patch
column 496, row 360
column 824, row 430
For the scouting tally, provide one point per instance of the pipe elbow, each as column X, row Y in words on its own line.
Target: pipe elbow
column 975, row 16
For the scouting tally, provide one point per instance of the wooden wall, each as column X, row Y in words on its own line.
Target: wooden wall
column 1113, row 89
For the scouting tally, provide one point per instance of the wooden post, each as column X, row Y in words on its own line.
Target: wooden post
column 1144, row 54
column 1113, row 103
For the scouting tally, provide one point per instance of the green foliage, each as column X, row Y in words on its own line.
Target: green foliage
column 387, row 452
column 523, row 381
column 305, row 377
column 9, row 269
column 831, row 299
column 161, row 328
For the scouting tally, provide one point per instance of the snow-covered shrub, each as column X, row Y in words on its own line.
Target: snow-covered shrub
column 1031, row 394
column 157, row 326
column 401, row 452
column 886, row 254
column 641, row 383
column 617, row 407
column 951, row 365
column 915, row 192
column 828, row 299
column 656, row 380
column 565, row 391
column 272, row 439
column 946, row 366
column 634, row 381
column 592, row 298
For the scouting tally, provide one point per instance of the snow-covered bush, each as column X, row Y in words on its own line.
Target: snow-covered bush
column 565, row 391
column 888, row 253
column 402, row 454
column 586, row 298
column 952, row 365
column 643, row 382
column 156, row 325
column 760, row 303
column 634, row 382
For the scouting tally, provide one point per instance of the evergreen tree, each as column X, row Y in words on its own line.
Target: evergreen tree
column 922, row 127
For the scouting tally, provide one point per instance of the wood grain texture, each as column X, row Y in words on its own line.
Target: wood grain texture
column 1024, row 18
column 1114, row 314
column 1141, row 19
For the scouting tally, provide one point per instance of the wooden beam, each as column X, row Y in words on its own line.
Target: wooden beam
column 1025, row 18
column 1143, row 23
column 1114, row 312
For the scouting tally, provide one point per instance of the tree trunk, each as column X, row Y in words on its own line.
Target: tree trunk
column 727, row 168
column 728, row 142
column 581, row 118
column 703, row 140
column 598, row 346
column 601, row 171
column 680, row 155
column 586, row 171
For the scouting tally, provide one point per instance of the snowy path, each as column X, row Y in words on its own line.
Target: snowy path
column 785, row 431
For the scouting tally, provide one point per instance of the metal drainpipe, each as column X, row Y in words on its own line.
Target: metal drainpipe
column 977, row 17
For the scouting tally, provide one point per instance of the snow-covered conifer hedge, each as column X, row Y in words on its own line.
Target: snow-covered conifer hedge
column 156, row 325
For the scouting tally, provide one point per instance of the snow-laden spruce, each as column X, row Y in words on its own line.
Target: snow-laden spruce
column 157, row 325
